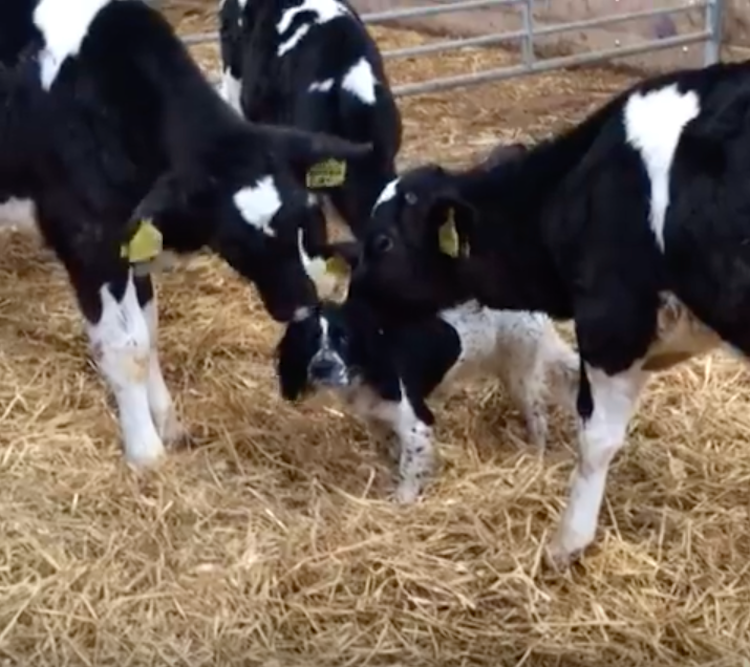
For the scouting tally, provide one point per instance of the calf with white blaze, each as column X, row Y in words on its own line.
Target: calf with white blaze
column 634, row 224
column 125, row 149
column 385, row 374
column 312, row 64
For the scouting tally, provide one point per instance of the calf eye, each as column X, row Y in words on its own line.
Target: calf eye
column 382, row 244
column 411, row 198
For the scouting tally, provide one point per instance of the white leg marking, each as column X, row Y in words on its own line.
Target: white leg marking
column 231, row 89
column 120, row 344
column 653, row 125
column 601, row 437
column 160, row 401
column 64, row 25
column 360, row 81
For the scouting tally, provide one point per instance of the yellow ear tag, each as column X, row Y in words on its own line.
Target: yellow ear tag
column 327, row 174
column 146, row 244
column 448, row 236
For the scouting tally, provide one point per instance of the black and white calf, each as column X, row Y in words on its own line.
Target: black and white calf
column 312, row 64
column 386, row 373
column 634, row 224
column 108, row 121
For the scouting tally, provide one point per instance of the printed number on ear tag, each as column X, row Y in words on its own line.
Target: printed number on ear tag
column 146, row 244
column 327, row 174
column 337, row 267
column 448, row 236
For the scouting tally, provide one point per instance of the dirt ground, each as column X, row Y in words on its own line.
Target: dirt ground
column 273, row 541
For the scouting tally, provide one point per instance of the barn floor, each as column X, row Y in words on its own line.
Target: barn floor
column 273, row 541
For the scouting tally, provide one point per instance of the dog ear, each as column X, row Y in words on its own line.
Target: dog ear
column 292, row 357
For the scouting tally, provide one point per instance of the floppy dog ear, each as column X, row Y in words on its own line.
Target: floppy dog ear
column 292, row 357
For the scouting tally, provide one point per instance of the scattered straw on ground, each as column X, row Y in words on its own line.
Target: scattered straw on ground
column 273, row 541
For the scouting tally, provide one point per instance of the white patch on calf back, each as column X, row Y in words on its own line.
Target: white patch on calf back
column 258, row 204
column 64, row 25
column 388, row 193
column 321, row 86
column 653, row 125
column 360, row 81
column 326, row 10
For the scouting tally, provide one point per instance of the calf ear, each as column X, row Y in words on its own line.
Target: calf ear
column 503, row 154
column 455, row 219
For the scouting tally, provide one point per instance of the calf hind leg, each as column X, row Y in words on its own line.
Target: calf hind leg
column 601, row 436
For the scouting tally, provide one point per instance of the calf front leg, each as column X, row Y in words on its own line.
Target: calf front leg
column 120, row 343
column 160, row 401
column 601, row 436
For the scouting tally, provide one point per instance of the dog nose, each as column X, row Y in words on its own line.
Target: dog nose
column 323, row 368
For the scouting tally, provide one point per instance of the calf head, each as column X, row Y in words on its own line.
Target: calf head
column 418, row 229
column 424, row 250
column 256, row 210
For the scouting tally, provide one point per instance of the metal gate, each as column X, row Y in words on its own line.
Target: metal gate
column 710, row 35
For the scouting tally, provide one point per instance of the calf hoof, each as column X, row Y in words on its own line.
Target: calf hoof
column 145, row 454
column 172, row 431
column 559, row 557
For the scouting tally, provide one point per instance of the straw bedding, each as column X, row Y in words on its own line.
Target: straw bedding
column 273, row 540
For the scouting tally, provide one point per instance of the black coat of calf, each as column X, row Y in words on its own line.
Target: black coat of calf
column 385, row 374
column 312, row 64
column 108, row 120
column 634, row 224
